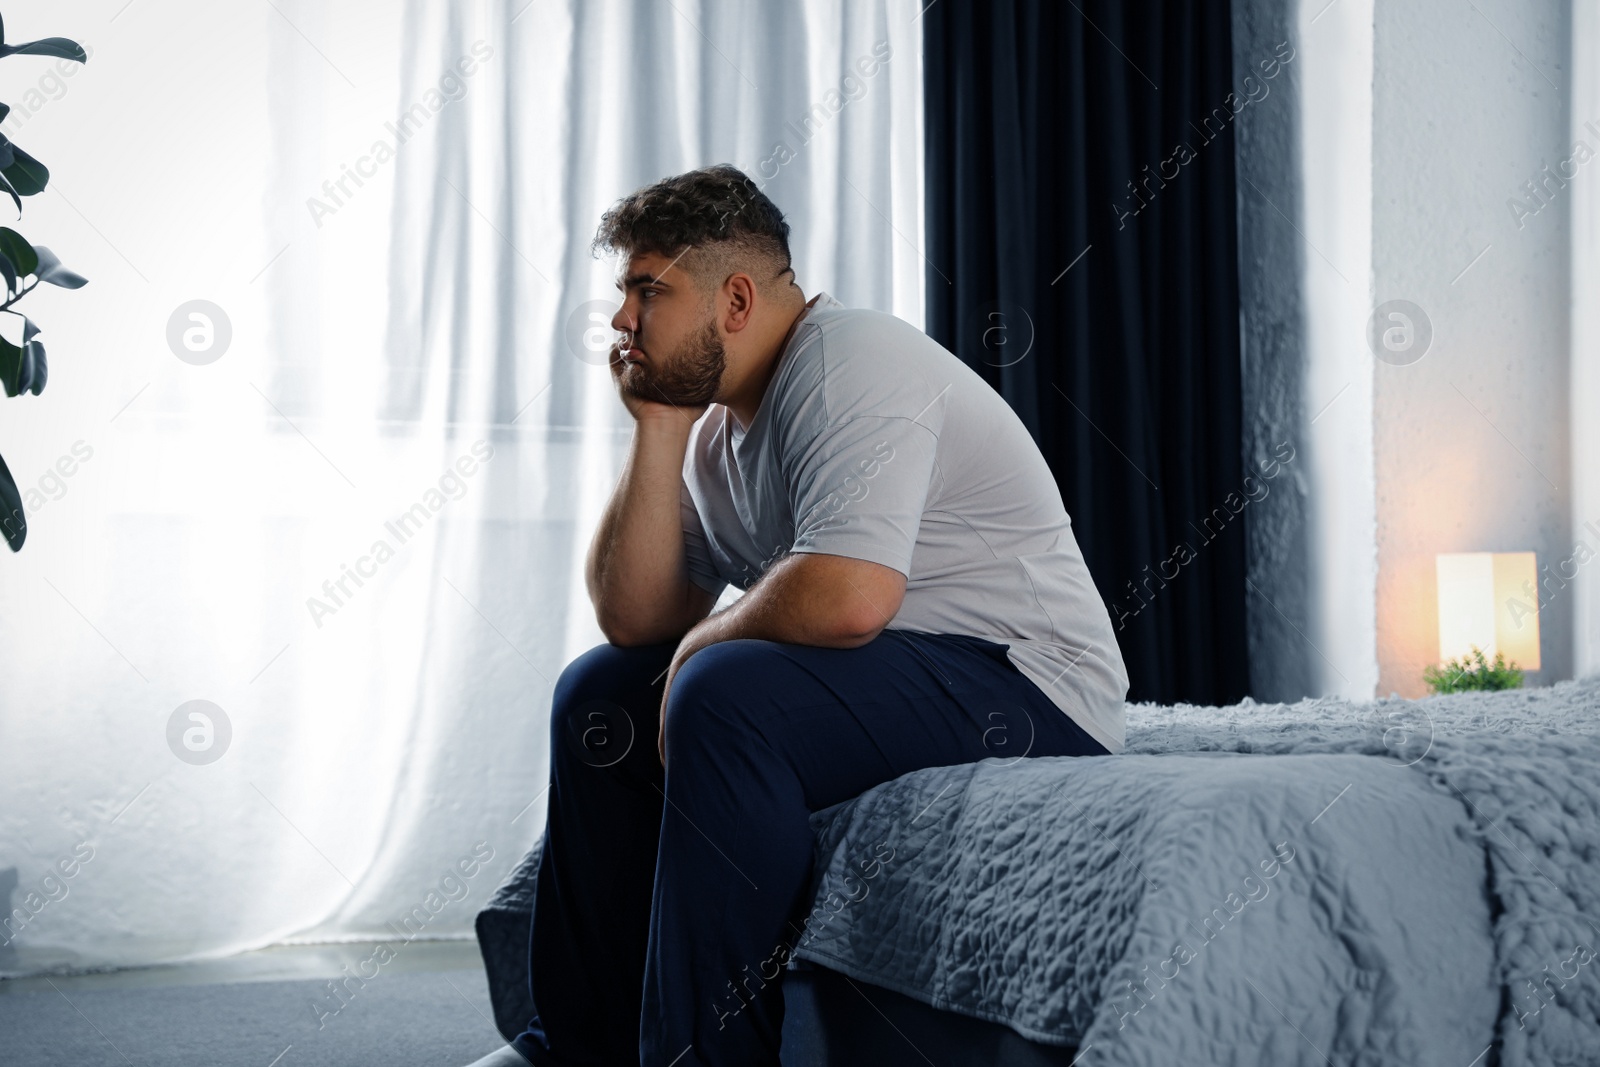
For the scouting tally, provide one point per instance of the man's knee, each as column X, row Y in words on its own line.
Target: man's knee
column 587, row 717
column 716, row 687
column 592, row 676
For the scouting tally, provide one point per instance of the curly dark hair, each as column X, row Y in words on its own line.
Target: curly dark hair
column 717, row 211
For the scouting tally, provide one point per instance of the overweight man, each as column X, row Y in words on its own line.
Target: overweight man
column 912, row 597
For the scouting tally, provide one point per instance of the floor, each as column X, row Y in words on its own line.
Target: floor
column 424, row 1004
column 427, row 1005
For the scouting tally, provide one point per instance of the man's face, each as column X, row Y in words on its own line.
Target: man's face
column 670, row 347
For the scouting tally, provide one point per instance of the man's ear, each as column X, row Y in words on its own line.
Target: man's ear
column 740, row 292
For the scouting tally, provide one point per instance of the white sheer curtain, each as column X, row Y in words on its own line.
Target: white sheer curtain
column 392, row 207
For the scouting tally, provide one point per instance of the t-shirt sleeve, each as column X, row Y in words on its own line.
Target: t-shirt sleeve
column 702, row 571
column 859, row 488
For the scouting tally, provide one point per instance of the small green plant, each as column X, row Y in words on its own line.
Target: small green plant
column 1473, row 672
column 22, row 366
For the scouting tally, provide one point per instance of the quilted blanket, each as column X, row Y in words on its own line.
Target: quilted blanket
column 1396, row 882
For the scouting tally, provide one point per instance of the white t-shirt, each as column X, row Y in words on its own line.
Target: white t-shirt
column 874, row 442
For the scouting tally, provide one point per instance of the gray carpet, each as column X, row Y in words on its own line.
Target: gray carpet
column 432, row 1019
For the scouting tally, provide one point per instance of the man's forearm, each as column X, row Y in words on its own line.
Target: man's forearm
column 804, row 599
column 807, row 599
column 635, row 569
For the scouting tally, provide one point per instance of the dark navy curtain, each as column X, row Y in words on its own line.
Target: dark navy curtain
column 1081, row 257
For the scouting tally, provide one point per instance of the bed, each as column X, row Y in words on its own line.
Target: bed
column 1393, row 882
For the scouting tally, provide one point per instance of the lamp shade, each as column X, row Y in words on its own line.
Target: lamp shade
column 1489, row 600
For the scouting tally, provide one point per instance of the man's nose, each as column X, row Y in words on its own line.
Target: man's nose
column 623, row 322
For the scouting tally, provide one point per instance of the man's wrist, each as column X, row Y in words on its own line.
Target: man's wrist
column 669, row 424
column 688, row 645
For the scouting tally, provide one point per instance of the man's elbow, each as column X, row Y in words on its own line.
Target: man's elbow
column 860, row 626
column 629, row 629
column 854, row 636
column 617, row 632
column 858, row 598
column 626, row 633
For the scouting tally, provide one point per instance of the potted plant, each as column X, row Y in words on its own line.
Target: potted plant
column 23, row 266
column 1473, row 671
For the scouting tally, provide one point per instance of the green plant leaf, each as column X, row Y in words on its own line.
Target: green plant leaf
column 9, row 273
column 27, row 369
column 1473, row 671
column 41, row 369
column 5, row 187
column 27, row 175
column 5, row 109
column 50, row 270
column 8, row 154
column 16, row 248
column 13, row 519
column 10, row 367
column 60, row 47
column 31, row 367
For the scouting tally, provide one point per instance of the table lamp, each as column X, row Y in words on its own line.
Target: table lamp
column 1489, row 600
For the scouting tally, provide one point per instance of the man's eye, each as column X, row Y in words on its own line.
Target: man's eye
column 647, row 292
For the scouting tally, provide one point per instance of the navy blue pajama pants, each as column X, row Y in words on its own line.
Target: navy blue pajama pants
column 658, row 890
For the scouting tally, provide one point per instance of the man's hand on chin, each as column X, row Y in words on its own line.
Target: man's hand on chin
column 808, row 598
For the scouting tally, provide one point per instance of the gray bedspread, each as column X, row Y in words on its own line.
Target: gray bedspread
column 1387, row 883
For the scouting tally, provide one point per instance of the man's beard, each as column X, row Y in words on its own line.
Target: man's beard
column 688, row 378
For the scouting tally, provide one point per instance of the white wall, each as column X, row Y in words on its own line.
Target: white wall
column 1470, row 442
column 1416, row 131
column 1585, row 310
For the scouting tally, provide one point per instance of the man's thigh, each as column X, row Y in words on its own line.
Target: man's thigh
column 845, row 720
